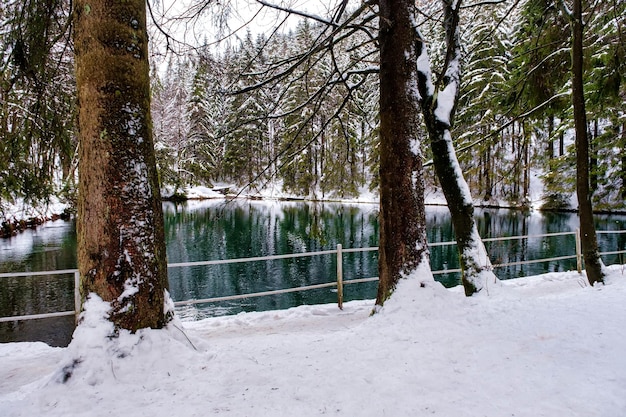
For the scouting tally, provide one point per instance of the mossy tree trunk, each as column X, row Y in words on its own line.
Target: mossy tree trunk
column 403, row 245
column 121, row 244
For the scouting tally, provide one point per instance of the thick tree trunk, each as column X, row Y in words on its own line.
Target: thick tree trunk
column 121, row 244
column 593, row 263
column 403, row 244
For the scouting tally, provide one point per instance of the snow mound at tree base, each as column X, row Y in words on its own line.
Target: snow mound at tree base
column 101, row 357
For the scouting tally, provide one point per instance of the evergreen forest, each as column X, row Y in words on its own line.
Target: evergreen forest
column 284, row 110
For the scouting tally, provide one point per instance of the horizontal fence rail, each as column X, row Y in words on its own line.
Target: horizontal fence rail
column 339, row 283
column 77, row 301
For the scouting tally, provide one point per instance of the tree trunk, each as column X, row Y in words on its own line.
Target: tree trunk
column 487, row 172
column 403, row 245
column 593, row 263
column 526, row 156
column 550, row 142
column 121, row 244
column 517, row 167
column 438, row 116
column 593, row 159
column 472, row 254
column 624, row 161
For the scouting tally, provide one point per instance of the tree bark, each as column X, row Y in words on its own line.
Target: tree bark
column 591, row 256
column 121, row 244
column 487, row 170
column 403, row 245
column 525, row 197
column 438, row 116
column 550, row 141
column 624, row 161
column 473, row 257
column 593, row 159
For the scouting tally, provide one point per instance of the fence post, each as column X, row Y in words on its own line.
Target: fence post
column 77, row 304
column 339, row 277
column 579, row 259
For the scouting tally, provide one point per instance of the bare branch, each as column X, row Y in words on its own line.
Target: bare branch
column 297, row 13
column 483, row 3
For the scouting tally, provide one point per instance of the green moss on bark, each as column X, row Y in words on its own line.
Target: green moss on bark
column 120, row 224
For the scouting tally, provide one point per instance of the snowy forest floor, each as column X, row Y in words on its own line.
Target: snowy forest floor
column 546, row 345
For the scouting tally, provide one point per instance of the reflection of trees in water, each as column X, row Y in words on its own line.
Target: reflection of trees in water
column 252, row 229
column 515, row 223
column 40, row 294
column 243, row 228
column 439, row 229
column 611, row 242
column 55, row 331
column 53, row 248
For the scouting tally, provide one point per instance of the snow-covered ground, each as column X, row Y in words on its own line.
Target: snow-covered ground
column 21, row 210
column 538, row 346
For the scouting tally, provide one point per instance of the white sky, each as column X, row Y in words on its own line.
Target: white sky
column 174, row 17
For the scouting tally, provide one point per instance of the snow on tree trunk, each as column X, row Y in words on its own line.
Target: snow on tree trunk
column 438, row 108
column 121, row 245
column 403, row 245
column 475, row 264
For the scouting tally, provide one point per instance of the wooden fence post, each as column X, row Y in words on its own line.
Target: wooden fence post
column 579, row 257
column 339, row 277
column 77, row 303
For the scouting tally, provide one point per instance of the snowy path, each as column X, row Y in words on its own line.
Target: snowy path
column 541, row 346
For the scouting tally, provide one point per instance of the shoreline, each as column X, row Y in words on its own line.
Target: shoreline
column 12, row 227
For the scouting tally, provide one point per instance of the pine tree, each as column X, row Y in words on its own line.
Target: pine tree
column 538, row 69
column 605, row 87
column 171, row 124
column 488, row 32
column 247, row 123
column 438, row 99
column 37, row 138
column 206, row 110
column 299, row 144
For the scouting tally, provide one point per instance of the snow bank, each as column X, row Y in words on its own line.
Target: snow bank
column 21, row 210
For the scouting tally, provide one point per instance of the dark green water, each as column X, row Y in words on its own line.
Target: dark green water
column 212, row 230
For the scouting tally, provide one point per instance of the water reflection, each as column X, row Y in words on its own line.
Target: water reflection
column 214, row 230
column 49, row 247
column 246, row 229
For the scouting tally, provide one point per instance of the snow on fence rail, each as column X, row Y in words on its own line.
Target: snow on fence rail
column 339, row 283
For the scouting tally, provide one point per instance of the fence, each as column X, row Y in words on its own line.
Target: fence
column 339, row 283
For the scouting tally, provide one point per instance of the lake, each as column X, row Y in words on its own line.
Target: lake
column 210, row 230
